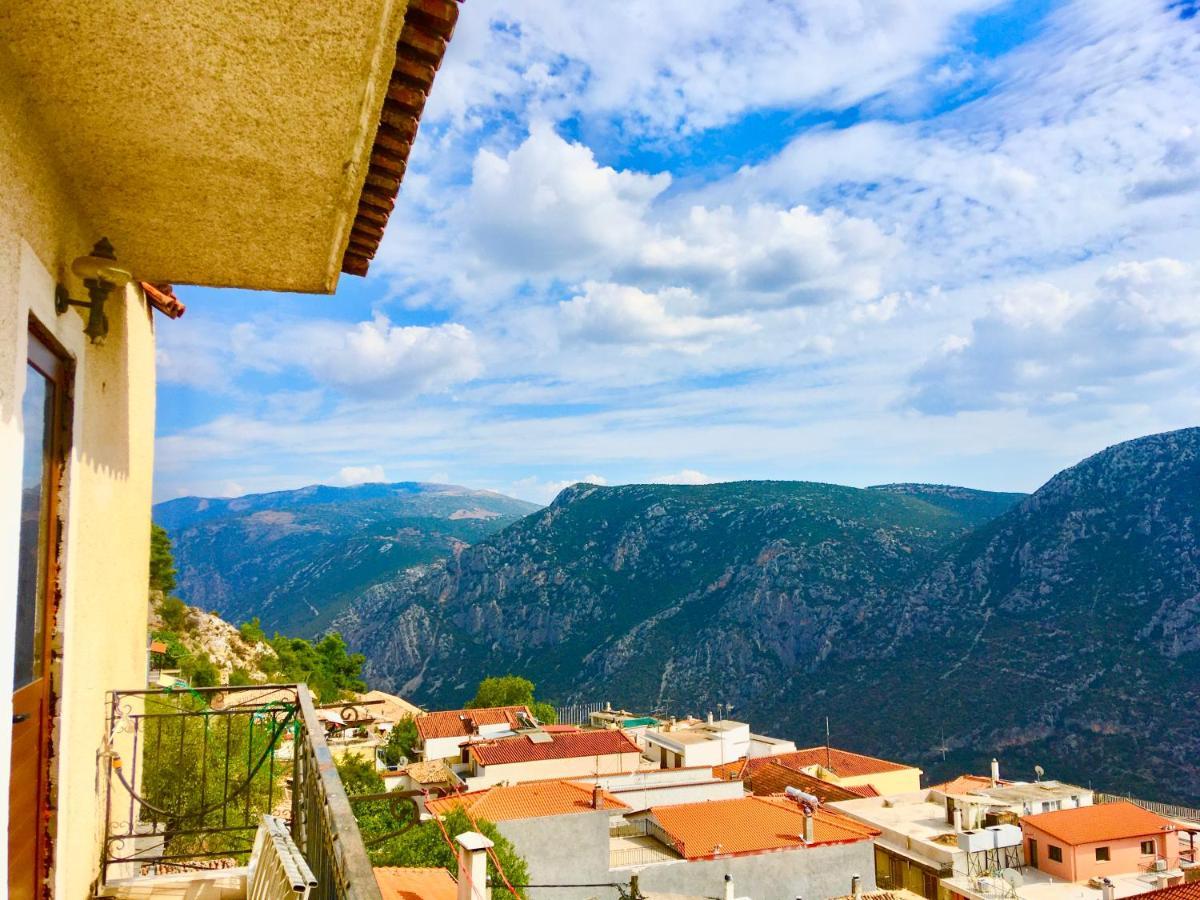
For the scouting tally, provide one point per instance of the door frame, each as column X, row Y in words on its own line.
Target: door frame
column 48, row 357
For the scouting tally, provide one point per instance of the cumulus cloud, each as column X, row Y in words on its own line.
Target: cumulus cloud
column 361, row 475
column 619, row 314
column 549, row 209
column 1045, row 348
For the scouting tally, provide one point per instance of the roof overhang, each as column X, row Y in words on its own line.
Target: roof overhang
column 225, row 143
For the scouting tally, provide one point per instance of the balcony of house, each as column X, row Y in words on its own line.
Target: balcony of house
column 636, row 843
column 226, row 793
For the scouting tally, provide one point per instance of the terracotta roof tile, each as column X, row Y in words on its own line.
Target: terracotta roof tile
column 528, row 800
column 560, row 746
column 457, row 722
column 428, row 25
column 396, row 883
column 431, row 771
column 750, row 825
column 775, row 779
column 965, row 784
column 1102, row 822
column 162, row 297
column 842, row 763
column 1179, row 892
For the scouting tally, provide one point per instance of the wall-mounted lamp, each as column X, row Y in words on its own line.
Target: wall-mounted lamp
column 101, row 277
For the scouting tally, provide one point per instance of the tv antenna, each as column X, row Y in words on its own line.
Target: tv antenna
column 942, row 747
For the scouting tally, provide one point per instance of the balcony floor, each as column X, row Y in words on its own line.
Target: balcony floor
column 223, row 884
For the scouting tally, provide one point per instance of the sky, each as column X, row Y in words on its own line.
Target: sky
column 684, row 241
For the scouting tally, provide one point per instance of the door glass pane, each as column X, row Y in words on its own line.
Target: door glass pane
column 37, row 408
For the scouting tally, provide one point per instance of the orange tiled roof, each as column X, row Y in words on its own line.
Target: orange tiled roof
column 750, row 825
column 528, row 800
column 1102, row 822
column 842, row 763
column 396, row 883
column 520, row 748
column 1179, row 892
column 456, row 722
column 775, row 779
column 965, row 784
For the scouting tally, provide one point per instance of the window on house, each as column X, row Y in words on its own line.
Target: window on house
column 1148, row 848
column 1055, row 853
column 1102, row 854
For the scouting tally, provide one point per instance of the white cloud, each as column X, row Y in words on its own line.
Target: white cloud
column 361, row 475
column 679, row 66
column 536, row 490
column 684, row 476
column 1045, row 348
column 618, row 314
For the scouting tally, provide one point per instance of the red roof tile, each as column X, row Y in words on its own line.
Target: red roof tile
column 162, row 297
column 775, row 779
column 458, row 722
column 396, row 883
column 560, row 746
column 965, row 784
column 842, row 763
column 751, row 825
column 1179, row 892
column 528, row 800
column 1102, row 822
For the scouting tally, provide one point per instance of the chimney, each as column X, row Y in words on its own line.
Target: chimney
column 995, row 771
column 809, row 830
column 597, row 797
column 1108, row 890
column 855, row 887
column 607, row 706
column 958, row 818
column 728, row 887
column 710, row 717
column 472, row 865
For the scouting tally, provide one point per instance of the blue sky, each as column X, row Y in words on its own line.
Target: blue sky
column 696, row 240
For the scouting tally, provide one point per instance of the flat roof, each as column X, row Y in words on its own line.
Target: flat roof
column 1036, row 791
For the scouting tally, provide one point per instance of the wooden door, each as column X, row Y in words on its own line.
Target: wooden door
column 43, row 411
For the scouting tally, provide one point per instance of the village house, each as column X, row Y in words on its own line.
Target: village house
column 773, row 848
column 560, row 828
column 542, row 755
column 1102, row 841
column 443, row 734
column 663, row 787
column 840, row 767
column 260, row 149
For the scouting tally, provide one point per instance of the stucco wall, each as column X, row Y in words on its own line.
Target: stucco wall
column 563, row 850
column 813, row 873
column 1080, row 864
column 105, row 504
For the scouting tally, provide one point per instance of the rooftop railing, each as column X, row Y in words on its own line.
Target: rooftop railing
column 191, row 771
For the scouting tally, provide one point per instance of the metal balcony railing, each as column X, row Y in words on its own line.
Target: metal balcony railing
column 191, row 771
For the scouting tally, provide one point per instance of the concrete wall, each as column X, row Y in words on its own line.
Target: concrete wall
column 1080, row 864
column 814, row 873
column 105, row 501
column 563, row 850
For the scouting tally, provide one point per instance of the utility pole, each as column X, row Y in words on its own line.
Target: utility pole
column 828, row 761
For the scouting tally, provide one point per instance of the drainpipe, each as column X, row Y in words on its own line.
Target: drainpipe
column 855, row 887
column 472, row 865
column 728, row 887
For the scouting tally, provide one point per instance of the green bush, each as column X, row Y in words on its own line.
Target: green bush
column 512, row 690
column 162, row 561
column 401, row 742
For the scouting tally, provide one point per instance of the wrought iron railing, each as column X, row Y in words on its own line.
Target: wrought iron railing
column 191, row 771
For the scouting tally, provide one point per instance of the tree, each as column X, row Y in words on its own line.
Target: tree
column 511, row 690
column 162, row 560
column 401, row 742
column 359, row 776
column 425, row 846
column 325, row 667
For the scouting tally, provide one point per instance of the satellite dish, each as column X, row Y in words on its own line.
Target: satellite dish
column 1013, row 877
column 1039, row 772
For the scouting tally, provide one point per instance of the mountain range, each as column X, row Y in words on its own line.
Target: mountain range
column 296, row 558
column 932, row 623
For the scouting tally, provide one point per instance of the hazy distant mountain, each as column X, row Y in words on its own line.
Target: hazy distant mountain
column 296, row 558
